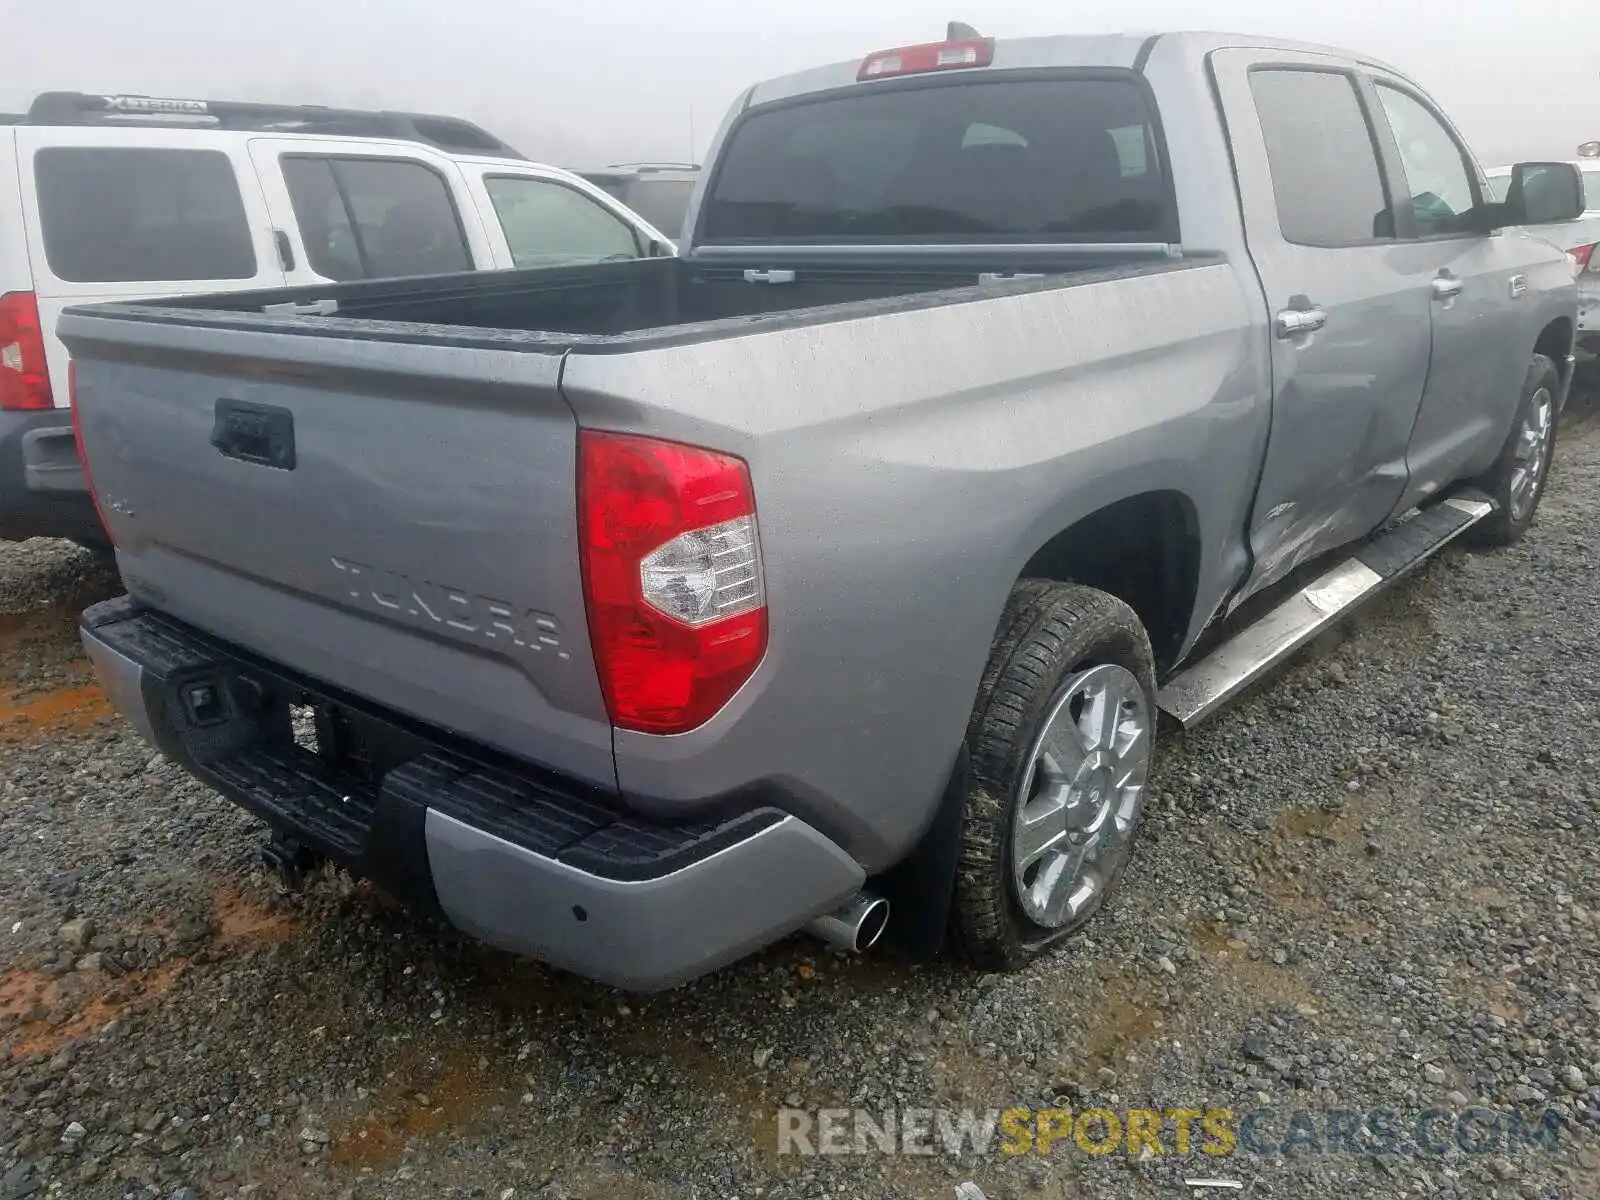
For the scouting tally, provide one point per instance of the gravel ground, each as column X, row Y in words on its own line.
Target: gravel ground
column 1374, row 885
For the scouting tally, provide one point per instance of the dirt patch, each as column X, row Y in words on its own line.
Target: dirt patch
column 439, row 1095
column 1339, row 826
column 1306, row 849
column 1497, row 996
column 59, row 710
column 34, row 698
column 45, row 685
column 1266, row 983
column 1128, row 1019
column 243, row 922
column 40, row 1014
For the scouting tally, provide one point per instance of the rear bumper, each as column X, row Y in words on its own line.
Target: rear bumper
column 42, row 493
column 517, row 857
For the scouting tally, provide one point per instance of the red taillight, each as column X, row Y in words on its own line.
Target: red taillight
column 77, row 437
column 24, row 374
column 932, row 56
column 1583, row 257
column 672, row 578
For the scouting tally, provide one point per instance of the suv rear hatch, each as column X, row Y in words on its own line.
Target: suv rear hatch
column 396, row 520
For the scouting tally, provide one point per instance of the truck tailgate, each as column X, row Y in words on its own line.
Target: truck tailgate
column 395, row 520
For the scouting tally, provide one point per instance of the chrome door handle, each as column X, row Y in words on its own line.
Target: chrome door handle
column 1292, row 322
column 1446, row 288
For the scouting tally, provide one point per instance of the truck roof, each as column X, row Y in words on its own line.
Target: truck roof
column 1125, row 50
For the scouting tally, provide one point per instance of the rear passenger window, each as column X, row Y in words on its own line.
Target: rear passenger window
column 1324, row 165
column 325, row 227
column 1040, row 160
column 369, row 218
column 133, row 215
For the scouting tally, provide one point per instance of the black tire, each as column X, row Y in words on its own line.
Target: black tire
column 1505, row 525
column 1049, row 631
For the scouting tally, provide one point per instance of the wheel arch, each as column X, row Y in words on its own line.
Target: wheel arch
column 1144, row 547
column 1145, row 550
column 1555, row 342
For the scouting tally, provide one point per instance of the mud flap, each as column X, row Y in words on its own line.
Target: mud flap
column 920, row 887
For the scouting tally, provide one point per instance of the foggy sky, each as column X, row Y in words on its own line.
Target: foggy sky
column 620, row 80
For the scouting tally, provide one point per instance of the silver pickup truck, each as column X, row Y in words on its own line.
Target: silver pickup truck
column 833, row 575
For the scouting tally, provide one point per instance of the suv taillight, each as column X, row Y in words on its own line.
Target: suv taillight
column 24, row 374
column 672, row 578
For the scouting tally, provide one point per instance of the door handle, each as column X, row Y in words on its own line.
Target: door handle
column 1446, row 287
column 1292, row 322
column 280, row 239
column 261, row 434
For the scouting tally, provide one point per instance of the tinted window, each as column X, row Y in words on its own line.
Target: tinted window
column 547, row 224
column 662, row 202
column 367, row 218
column 325, row 228
column 142, row 216
column 1046, row 160
column 1324, row 168
column 1438, row 183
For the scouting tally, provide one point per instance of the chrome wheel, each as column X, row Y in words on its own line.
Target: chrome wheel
column 1531, row 454
column 1080, row 797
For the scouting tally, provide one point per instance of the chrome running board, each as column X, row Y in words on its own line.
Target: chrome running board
column 1199, row 690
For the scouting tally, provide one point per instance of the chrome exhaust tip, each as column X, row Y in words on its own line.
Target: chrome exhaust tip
column 856, row 926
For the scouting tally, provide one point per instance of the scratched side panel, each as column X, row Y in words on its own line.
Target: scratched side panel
column 421, row 551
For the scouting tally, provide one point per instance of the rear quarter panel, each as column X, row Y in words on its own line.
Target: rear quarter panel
column 907, row 464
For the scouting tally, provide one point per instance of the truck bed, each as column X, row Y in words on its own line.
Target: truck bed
column 625, row 305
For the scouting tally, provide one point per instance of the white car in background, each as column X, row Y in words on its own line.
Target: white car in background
column 1581, row 240
column 106, row 198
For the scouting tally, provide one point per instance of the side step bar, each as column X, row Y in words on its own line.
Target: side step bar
column 1201, row 689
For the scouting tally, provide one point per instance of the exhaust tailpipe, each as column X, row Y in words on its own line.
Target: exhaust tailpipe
column 856, row 926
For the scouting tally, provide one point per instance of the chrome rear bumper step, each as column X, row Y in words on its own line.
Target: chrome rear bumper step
column 1204, row 687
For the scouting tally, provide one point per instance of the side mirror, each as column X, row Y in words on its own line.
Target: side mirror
column 1544, row 193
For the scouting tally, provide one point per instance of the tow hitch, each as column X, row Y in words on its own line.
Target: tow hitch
column 291, row 861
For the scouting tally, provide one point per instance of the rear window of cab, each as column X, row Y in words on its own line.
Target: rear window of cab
column 1041, row 160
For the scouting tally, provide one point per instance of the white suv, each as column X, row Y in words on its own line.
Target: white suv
column 1581, row 240
column 128, row 197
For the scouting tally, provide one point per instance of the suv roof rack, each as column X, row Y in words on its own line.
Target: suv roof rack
column 651, row 166
column 83, row 108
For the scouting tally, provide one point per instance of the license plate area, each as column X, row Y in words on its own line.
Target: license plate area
column 357, row 747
